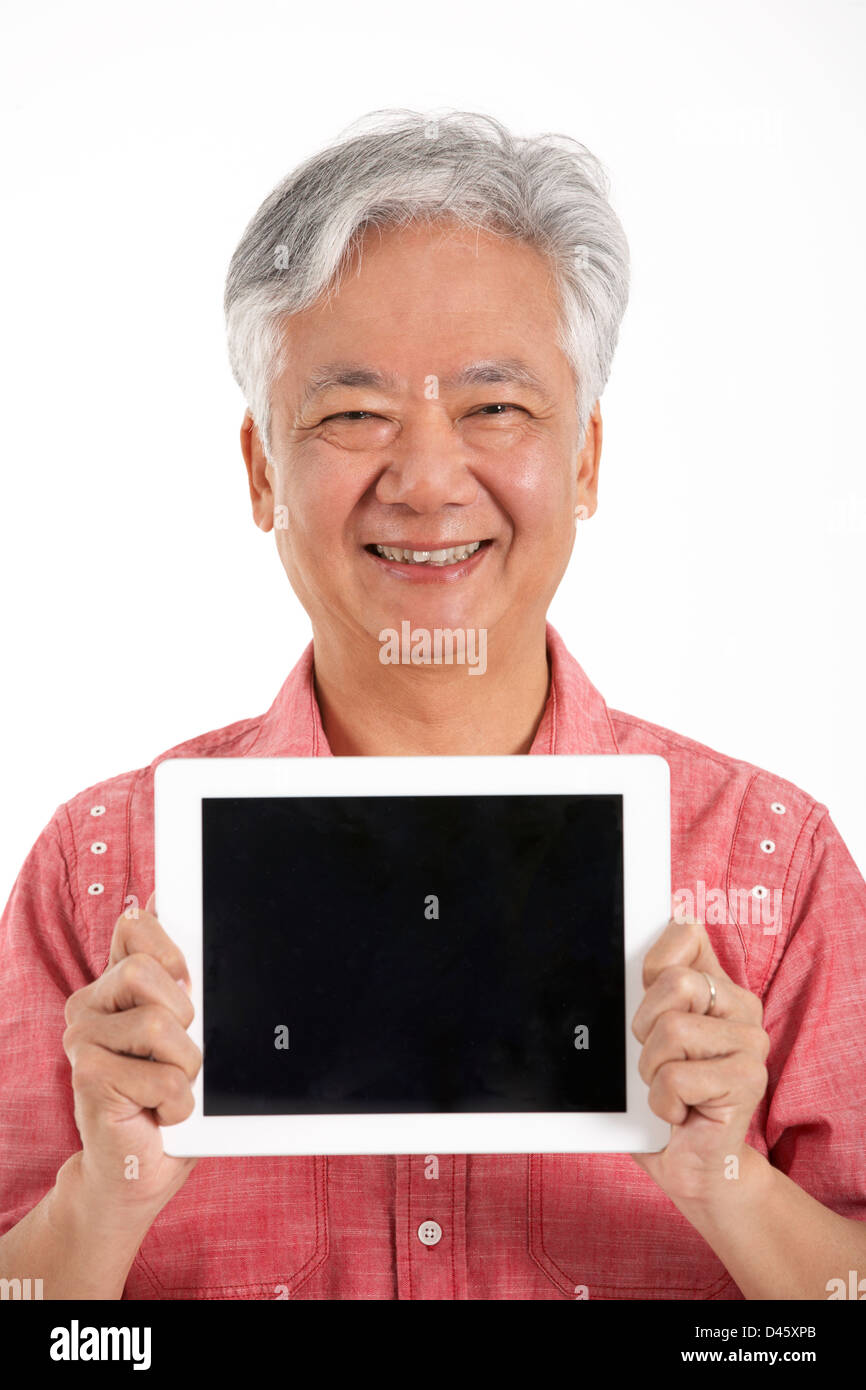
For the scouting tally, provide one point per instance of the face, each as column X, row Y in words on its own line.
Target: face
column 427, row 463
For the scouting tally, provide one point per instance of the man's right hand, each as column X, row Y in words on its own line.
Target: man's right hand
column 132, row 1067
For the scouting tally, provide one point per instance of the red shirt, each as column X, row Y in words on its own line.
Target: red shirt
column 512, row 1226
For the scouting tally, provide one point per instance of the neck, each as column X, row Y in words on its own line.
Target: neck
column 370, row 709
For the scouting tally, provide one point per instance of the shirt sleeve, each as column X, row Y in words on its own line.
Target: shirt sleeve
column 42, row 961
column 815, row 1014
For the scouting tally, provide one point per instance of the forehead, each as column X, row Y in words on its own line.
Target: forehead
column 430, row 298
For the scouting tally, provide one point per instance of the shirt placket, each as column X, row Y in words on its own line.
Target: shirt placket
column 430, row 1219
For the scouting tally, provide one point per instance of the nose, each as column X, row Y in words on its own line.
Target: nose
column 427, row 466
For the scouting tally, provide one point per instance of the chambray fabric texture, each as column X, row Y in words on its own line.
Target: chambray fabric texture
column 513, row 1226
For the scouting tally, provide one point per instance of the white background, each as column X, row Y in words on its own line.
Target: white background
column 719, row 589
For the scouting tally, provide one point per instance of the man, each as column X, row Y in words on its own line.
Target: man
column 422, row 319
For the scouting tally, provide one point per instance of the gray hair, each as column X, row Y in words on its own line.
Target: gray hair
column 395, row 167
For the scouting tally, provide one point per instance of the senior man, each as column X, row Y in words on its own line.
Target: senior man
column 422, row 318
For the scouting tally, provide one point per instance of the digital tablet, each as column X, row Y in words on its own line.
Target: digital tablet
column 415, row 954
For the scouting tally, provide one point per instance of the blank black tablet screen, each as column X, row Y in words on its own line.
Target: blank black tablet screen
column 413, row 953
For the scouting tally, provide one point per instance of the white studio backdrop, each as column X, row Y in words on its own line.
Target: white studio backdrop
column 719, row 589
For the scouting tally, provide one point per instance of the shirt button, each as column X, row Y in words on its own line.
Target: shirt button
column 429, row 1233
column 98, row 847
column 95, row 888
column 778, row 808
column 97, row 810
column 760, row 891
column 768, row 846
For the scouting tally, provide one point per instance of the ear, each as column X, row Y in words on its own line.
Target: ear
column 261, row 493
column 588, row 461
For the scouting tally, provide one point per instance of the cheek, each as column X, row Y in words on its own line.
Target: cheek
column 319, row 502
column 536, row 495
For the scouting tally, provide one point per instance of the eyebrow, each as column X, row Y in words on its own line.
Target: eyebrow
column 509, row 370
column 321, row 379
column 501, row 369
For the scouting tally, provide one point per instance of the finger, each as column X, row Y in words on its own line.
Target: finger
column 106, row 1082
column 146, row 933
column 149, row 1031
column 716, row 1087
column 135, row 980
column 682, row 943
column 679, row 1037
column 681, row 989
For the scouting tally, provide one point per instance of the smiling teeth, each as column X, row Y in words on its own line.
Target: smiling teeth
column 429, row 557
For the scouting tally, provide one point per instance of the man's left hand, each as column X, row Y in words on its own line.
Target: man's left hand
column 705, row 1070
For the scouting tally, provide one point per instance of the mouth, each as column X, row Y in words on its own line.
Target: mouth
column 433, row 558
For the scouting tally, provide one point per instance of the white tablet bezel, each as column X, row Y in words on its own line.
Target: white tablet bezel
column 643, row 781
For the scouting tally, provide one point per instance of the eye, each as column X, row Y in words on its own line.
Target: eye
column 349, row 415
column 358, row 430
column 497, row 407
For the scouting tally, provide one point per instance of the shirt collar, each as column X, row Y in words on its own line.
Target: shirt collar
column 575, row 719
